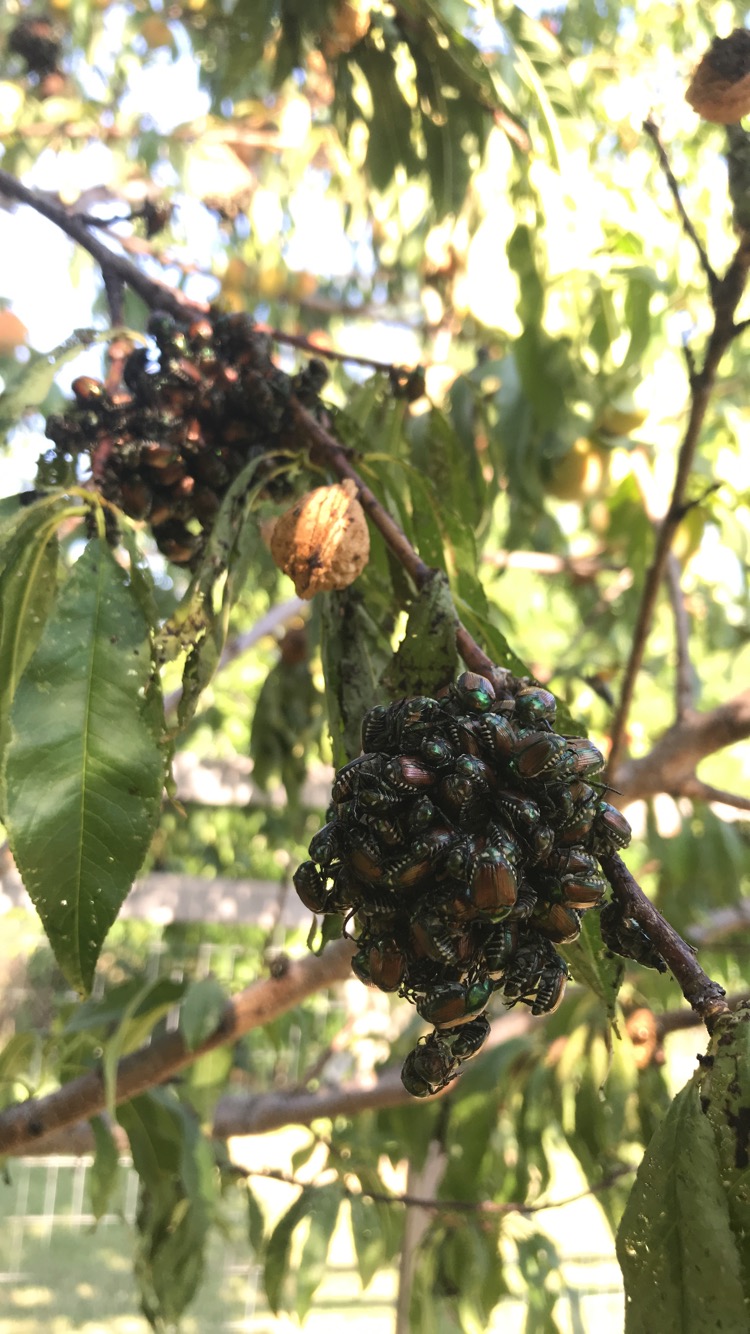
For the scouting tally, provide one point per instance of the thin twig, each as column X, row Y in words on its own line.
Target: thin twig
column 156, row 295
column 707, row 998
column 27, row 1122
column 409, row 1201
column 299, row 340
column 684, row 674
column 697, row 790
column 725, row 296
column 652, row 131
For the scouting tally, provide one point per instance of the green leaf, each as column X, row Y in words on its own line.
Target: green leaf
column 679, row 1256
column 105, row 1168
column 312, row 1265
column 278, row 1248
column 369, row 1241
column 256, row 1223
column 28, row 568
column 16, row 1060
column 201, row 1010
column 140, row 999
column 150, row 1003
column 426, row 658
column 176, row 1193
column 84, row 771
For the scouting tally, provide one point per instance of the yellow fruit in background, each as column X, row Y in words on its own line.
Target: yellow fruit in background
column 155, row 32
column 13, row 332
column 236, row 275
column 59, row 5
column 271, row 282
column 689, row 535
column 580, row 473
column 621, row 416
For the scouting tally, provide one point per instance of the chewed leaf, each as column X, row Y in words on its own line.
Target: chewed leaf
column 679, row 1254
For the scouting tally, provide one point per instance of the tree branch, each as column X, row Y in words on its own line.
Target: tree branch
column 725, row 295
column 28, row 1122
column 653, row 132
column 684, row 674
column 707, row 998
column 259, row 1113
column 670, row 765
column 114, row 267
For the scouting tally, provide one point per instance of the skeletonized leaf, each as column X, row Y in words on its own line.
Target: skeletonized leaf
column 426, row 658
column 84, row 771
column 354, row 655
column 724, row 1080
column 678, row 1253
column 593, row 965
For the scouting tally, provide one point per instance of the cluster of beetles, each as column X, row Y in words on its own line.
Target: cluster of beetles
column 196, row 407
column 461, row 846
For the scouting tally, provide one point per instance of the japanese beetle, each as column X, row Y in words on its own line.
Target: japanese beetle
column 387, row 964
column 499, row 947
column 610, row 830
column 558, row 923
column 329, row 843
column 465, row 1042
column 550, row 988
column 492, row 889
column 521, row 813
column 406, row 773
column 311, row 887
column 624, row 936
column 454, row 1003
column 498, row 735
column 474, row 692
column 539, row 755
column 423, row 814
column 418, row 718
column 582, row 891
column 435, row 938
column 583, row 758
column 378, row 730
column 534, row 705
column 532, row 956
column 428, row 1068
column 90, row 393
column 437, row 751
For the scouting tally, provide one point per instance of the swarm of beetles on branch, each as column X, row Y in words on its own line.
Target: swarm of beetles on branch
column 191, row 416
column 462, row 845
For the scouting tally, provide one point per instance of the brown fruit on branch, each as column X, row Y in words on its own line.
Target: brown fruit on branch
column 720, row 87
column 322, row 542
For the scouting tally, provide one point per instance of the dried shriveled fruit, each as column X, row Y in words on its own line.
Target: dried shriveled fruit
column 322, row 542
column 720, row 87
